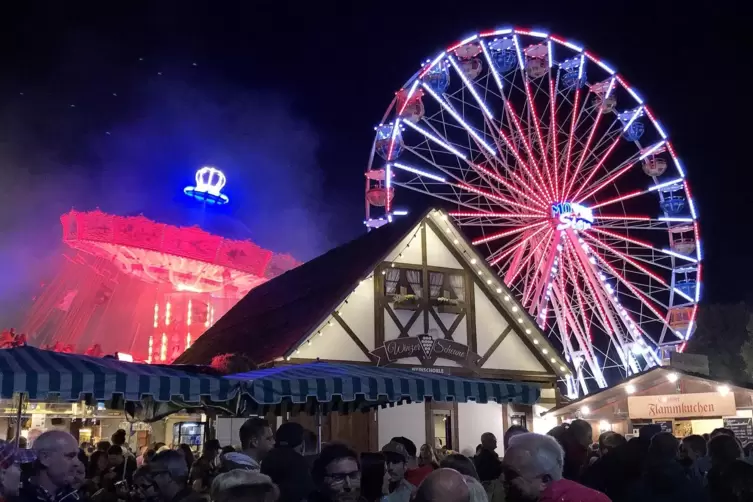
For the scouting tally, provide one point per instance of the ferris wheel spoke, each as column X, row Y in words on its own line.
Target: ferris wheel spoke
column 643, row 244
column 506, row 233
column 637, row 294
column 584, row 152
column 616, row 172
column 586, row 349
column 512, row 270
column 631, row 261
column 486, row 149
column 532, row 108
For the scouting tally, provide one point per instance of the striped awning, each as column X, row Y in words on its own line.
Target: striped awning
column 43, row 375
column 323, row 382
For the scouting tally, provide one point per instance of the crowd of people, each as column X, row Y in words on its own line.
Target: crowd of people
column 287, row 466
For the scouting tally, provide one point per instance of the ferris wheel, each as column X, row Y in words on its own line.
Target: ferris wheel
column 565, row 180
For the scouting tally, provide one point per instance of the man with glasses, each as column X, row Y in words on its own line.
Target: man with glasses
column 169, row 474
column 336, row 474
column 532, row 472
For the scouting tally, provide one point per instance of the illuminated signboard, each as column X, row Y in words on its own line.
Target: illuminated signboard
column 572, row 215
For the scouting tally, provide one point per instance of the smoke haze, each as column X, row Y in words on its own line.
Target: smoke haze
column 90, row 133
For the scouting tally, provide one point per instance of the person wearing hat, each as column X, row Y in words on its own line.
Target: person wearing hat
column 396, row 487
column 286, row 465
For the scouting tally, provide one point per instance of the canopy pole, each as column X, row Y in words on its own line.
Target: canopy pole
column 318, row 427
column 18, row 418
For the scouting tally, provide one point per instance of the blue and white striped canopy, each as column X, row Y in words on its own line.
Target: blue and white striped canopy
column 327, row 382
column 43, row 374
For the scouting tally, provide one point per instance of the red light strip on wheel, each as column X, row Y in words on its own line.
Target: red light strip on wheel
column 506, row 233
column 480, row 214
column 515, row 247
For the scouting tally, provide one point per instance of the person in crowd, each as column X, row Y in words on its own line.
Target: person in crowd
column 286, row 466
column 103, row 446
column 737, row 483
column 144, row 486
column 187, row 454
column 513, row 431
column 80, row 484
column 23, row 443
column 427, row 456
column 723, row 450
column 54, row 469
column 416, row 473
column 460, row 463
column 336, row 474
column 119, row 438
column 476, row 491
column 721, row 431
column 204, row 469
column 534, row 465
column 244, row 486
column 397, row 488
column 257, row 441
column 310, row 447
column 121, row 466
column 575, row 440
column 693, row 456
column 444, row 485
column 11, row 459
column 663, row 478
column 372, row 476
column 227, row 449
column 621, row 467
column 169, row 474
column 488, row 465
column 610, row 440
column 494, row 489
column 98, row 465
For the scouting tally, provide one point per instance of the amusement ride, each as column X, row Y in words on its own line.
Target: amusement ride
column 566, row 180
column 149, row 289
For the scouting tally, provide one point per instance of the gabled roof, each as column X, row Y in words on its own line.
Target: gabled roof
column 272, row 318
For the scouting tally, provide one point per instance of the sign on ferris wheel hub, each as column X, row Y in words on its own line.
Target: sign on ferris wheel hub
column 529, row 136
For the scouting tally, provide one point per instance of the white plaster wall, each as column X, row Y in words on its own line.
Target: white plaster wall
column 358, row 313
column 407, row 420
column 334, row 343
column 513, row 354
column 437, row 253
column 489, row 322
column 411, row 252
column 473, row 420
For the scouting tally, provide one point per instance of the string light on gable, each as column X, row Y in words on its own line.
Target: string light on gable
column 515, row 308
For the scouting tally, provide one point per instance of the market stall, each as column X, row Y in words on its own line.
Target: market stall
column 30, row 376
column 682, row 402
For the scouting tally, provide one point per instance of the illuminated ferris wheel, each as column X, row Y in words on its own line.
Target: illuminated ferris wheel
column 565, row 179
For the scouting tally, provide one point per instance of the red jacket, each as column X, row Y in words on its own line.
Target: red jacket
column 565, row 490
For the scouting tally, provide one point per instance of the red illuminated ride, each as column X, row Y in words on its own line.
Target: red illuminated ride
column 142, row 287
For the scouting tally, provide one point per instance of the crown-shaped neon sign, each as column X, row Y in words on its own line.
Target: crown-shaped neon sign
column 209, row 184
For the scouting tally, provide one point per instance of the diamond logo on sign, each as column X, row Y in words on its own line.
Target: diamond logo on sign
column 427, row 343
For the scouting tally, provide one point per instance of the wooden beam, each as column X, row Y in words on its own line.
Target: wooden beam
column 352, row 335
column 379, row 281
column 403, row 330
column 425, row 277
column 496, row 344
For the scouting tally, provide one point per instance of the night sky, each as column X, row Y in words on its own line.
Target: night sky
column 117, row 108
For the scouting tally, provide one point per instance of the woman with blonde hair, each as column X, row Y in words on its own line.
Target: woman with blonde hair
column 428, row 456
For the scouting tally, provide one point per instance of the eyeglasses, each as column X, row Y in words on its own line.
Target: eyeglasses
column 340, row 477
